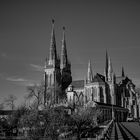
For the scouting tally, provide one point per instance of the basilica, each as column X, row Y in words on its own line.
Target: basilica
column 105, row 89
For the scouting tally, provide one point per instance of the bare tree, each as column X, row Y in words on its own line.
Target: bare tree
column 10, row 101
column 35, row 95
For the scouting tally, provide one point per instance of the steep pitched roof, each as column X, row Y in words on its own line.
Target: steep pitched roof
column 99, row 78
column 78, row 84
column 119, row 79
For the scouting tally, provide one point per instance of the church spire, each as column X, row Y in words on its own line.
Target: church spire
column 53, row 54
column 89, row 73
column 110, row 70
column 106, row 67
column 123, row 75
column 64, row 59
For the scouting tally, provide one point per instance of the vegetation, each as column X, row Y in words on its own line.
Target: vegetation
column 84, row 117
column 51, row 122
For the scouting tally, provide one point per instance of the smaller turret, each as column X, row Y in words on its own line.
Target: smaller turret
column 110, row 70
column 64, row 59
column 89, row 78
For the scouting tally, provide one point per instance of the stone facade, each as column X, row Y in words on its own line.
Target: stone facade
column 57, row 71
column 107, row 89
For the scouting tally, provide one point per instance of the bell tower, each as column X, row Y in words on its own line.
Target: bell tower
column 52, row 69
column 65, row 65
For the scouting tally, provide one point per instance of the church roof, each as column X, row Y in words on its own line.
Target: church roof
column 99, row 78
column 78, row 84
column 119, row 79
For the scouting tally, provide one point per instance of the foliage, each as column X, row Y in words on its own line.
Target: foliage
column 83, row 117
column 14, row 118
column 46, row 123
column 32, row 121
column 56, row 117
column 52, row 121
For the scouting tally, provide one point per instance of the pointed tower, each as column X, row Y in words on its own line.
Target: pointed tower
column 89, row 73
column 52, row 70
column 123, row 75
column 106, row 67
column 64, row 59
column 65, row 65
column 111, row 82
column 53, row 53
column 110, row 70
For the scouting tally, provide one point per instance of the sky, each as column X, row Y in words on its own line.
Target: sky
column 92, row 27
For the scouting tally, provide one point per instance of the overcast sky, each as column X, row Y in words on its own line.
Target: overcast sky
column 92, row 26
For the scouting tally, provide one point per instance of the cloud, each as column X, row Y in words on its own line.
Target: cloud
column 21, row 81
column 36, row 67
column 12, row 79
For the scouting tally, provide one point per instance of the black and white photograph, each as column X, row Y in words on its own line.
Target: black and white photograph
column 69, row 70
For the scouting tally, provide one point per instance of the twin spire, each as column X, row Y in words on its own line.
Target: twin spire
column 64, row 59
column 109, row 70
column 53, row 58
column 53, row 54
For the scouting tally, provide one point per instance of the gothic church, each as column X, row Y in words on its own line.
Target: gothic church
column 57, row 70
column 107, row 89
